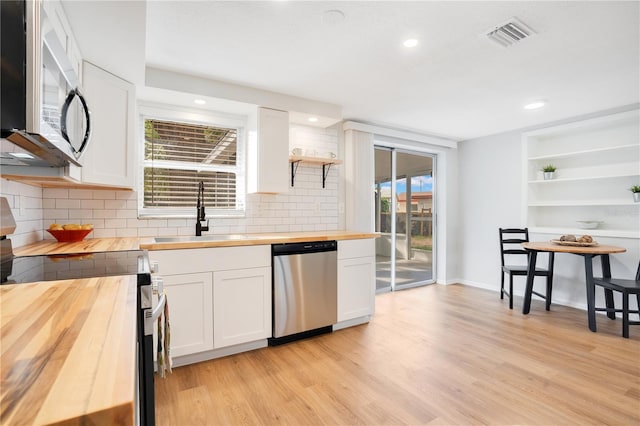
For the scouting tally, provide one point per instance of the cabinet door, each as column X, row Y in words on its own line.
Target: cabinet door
column 241, row 306
column 356, row 287
column 109, row 158
column 268, row 170
column 190, row 312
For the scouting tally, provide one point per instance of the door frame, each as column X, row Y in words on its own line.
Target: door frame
column 395, row 147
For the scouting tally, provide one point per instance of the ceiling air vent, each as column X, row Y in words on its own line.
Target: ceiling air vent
column 510, row 33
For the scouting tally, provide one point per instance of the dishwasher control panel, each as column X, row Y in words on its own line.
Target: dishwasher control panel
column 308, row 247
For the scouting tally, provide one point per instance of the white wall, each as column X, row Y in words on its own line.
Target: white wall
column 490, row 191
column 306, row 207
column 489, row 198
column 26, row 206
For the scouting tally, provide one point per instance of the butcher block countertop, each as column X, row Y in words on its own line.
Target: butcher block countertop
column 256, row 239
column 68, row 351
column 48, row 247
column 89, row 245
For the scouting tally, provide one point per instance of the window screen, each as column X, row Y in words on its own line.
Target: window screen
column 177, row 156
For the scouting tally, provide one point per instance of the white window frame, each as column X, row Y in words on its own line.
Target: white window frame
column 152, row 111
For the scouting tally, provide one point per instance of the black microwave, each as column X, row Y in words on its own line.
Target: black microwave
column 43, row 110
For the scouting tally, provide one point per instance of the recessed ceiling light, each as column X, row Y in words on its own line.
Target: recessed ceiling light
column 200, row 101
column 535, row 105
column 313, row 119
column 410, row 42
column 332, row 17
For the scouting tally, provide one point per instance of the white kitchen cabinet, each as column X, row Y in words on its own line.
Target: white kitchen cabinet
column 356, row 279
column 224, row 293
column 241, row 306
column 109, row 159
column 597, row 161
column 191, row 312
column 268, row 153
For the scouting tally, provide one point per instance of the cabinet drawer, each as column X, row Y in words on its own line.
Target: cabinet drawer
column 348, row 249
column 186, row 261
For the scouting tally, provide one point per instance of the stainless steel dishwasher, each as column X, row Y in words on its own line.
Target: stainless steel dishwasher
column 305, row 289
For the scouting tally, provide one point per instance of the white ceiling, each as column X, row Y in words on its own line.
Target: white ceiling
column 584, row 57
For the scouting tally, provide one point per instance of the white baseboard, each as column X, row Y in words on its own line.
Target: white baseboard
column 496, row 289
column 351, row 322
column 218, row 353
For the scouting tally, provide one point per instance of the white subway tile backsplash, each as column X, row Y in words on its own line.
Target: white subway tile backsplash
column 104, row 233
column 104, row 195
column 138, row 223
column 305, row 207
column 115, row 204
column 126, row 232
column 55, row 214
column 128, row 214
column 115, row 223
column 105, row 214
column 81, row 214
column 67, row 204
column 55, row 193
column 177, row 222
column 92, row 204
column 80, row 194
column 126, row 195
column 147, row 232
column 167, row 231
column 97, row 223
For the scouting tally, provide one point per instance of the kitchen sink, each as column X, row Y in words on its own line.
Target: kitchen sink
column 188, row 238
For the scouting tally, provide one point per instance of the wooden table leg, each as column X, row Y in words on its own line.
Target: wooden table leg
column 531, row 270
column 591, row 291
column 608, row 293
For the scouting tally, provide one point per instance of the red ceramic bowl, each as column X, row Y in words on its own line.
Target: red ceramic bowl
column 69, row 236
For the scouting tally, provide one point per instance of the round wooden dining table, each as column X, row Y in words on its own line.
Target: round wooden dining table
column 588, row 252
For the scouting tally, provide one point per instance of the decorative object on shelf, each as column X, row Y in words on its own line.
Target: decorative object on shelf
column 549, row 171
column 70, row 233
column 299, row 152
column 635, row 189
column 571, row 240
column 589, row 224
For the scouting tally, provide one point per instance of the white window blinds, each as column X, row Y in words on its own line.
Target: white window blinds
column 177, row 156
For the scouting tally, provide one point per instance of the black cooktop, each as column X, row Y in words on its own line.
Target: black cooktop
column 27, row 269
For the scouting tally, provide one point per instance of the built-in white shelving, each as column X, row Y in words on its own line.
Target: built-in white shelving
column 597, row 161
column 595, row 177
column 619, row 233
column 629, row 147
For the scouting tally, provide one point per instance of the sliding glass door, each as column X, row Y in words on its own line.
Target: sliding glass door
column 404, row 207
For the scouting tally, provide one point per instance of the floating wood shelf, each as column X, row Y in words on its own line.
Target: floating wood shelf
column 295, row 161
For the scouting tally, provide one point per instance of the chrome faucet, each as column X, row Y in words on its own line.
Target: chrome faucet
column 200, row 214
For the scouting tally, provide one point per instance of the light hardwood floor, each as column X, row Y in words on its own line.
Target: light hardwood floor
column 437, row 355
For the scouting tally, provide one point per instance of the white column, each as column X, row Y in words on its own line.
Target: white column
column 359, row 179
